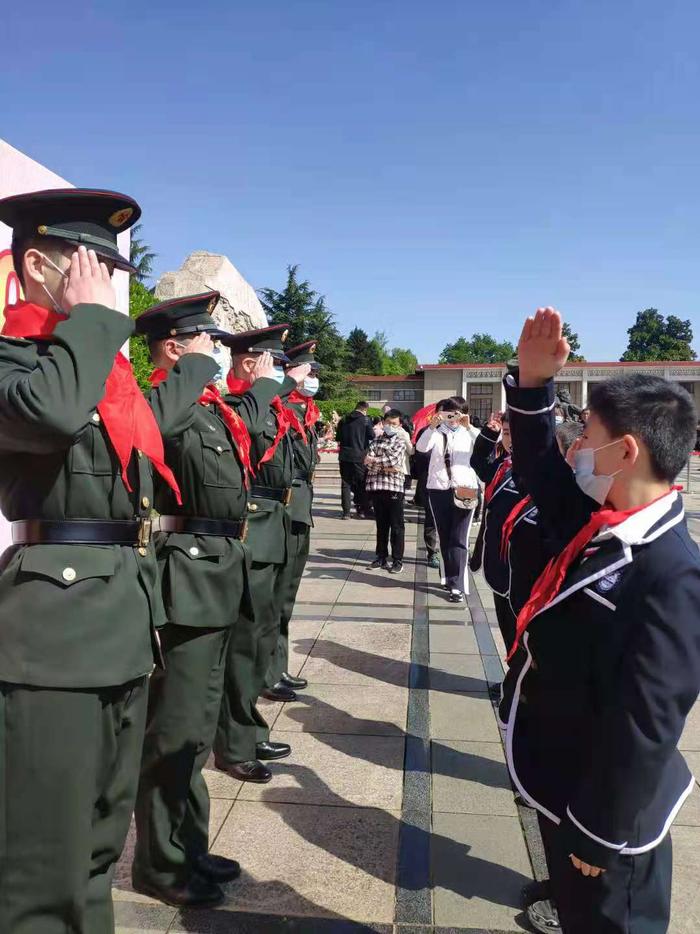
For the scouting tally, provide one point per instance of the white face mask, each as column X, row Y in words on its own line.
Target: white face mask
column 278, row 375
column 310, row 386
column 597, row 486
column 558, row 420
column 389, row 431
column 55, row 304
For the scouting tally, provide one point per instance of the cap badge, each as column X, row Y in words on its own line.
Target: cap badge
column 120, row 217
column 212, row 305
column 312, row 348
column 285, row 335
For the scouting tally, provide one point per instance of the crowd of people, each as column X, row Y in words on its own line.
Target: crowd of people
column 159, row 543
column 596, row 587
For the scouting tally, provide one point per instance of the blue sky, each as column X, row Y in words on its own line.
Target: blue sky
column 436, row 168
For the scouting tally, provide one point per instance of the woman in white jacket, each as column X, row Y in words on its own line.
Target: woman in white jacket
column 449, row 439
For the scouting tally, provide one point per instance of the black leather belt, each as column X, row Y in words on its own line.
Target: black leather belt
column 306, row 475
column 194, row 525
column 270, row 492
column 136, row 532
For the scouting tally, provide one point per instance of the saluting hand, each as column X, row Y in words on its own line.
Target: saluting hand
column 89, row 282
column 264, row 367
column 202, row 343
column 299, row 373
column 542, row 349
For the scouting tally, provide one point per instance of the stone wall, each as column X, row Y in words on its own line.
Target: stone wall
column 239, row 308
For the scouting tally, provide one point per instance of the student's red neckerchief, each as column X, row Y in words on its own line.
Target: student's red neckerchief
column 550, row 581
column 498, row 476
column 237, row 387
column 127, row 417
column 513, row 515
column 231, row 418
column 313, row 413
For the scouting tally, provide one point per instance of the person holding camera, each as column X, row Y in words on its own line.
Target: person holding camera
column 452, row 488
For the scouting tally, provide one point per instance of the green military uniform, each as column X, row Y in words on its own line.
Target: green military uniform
column 77, row 622
column 299, row 538
column 254, row 639
column 204, row 568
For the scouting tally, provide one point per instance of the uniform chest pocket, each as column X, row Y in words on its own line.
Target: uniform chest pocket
column 90, row 454
column 219, row 463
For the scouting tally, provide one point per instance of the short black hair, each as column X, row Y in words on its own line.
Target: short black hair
column 392, row 413
column 20, row 245
column 568, row 432
column 661, row 414
column 362, row 404
column 452, row 405
column 461, row 404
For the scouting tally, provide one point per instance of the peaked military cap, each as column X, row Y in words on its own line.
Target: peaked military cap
column 77, row 216
column 303, row 353
column 190, row 314
column 260, row 340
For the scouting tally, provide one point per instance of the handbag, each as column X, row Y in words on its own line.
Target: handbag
column 472, row 498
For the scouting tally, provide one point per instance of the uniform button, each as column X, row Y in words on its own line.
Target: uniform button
column 253, row 507
column 145, row 502
column 194, row 551
column 219, row 448
column 143, row 552
column 212, row 428
column 69, row 574
column 140, row 453
column 96, row 418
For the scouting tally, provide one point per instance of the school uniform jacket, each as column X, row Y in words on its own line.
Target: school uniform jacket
column 612, row 664
column 487, row 549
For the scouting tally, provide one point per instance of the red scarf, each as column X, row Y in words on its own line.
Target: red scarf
column 499, row 475
column 550, row 581
column 237, row 387
column 313, row 413
column 231, row 418
column 508, row 525
column 127, row 417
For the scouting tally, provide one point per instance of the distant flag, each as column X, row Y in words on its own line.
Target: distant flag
column 421, row 419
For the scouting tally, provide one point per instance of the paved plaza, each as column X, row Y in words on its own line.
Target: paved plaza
column 394, row 813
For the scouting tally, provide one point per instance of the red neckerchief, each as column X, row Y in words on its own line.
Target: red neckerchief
column 127, row 417
column 550, row 581
column 231, row 418
column 507, row 529
column 293, row 418
column 503, row 469
column 312, row 414
column 237, row 387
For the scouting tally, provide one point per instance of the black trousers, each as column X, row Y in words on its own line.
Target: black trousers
column 352, row 486
column 631, row 897
column 388, row 515
column 430, row 536
column 506, row 619
column 453, row 526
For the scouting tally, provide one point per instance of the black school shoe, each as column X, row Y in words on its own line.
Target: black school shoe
column 456, row 596
column 269, row 750
column 379, row 563
column 396, row 567
column 544, row 917
column 218, row 869
column 434, row 562
column 296, row 684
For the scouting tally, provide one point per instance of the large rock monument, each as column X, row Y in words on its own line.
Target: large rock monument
column 239, row 308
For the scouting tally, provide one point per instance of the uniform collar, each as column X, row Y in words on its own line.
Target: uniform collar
column 649, row 523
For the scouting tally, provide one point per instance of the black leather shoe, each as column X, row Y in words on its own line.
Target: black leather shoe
column 297, row 684
column 217, row 868
column 279, row 692
column 249, row 771
column 272, row 750
column 198, row 893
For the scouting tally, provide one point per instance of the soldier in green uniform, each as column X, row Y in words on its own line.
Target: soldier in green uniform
column 79, row 587
column 204, row 567
column 254, row 638
column 305, row 444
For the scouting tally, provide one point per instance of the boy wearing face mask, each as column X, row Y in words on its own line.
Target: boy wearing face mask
column 237, row 749
column 611, row 634
column 385, row 484
column 203, row 560
column 305, row 449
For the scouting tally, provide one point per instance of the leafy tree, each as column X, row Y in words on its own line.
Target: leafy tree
column 481, row 348
column 364, row 355
column 141, row 256
column 574, row 343
column 139, row 300
column 305, row 311
column 400, row 362
column 653, row 337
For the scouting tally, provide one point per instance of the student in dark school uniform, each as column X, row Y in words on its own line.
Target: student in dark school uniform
column 612, row 638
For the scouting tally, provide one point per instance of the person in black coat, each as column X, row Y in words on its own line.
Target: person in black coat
column 354, row 436
column 612, row 640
